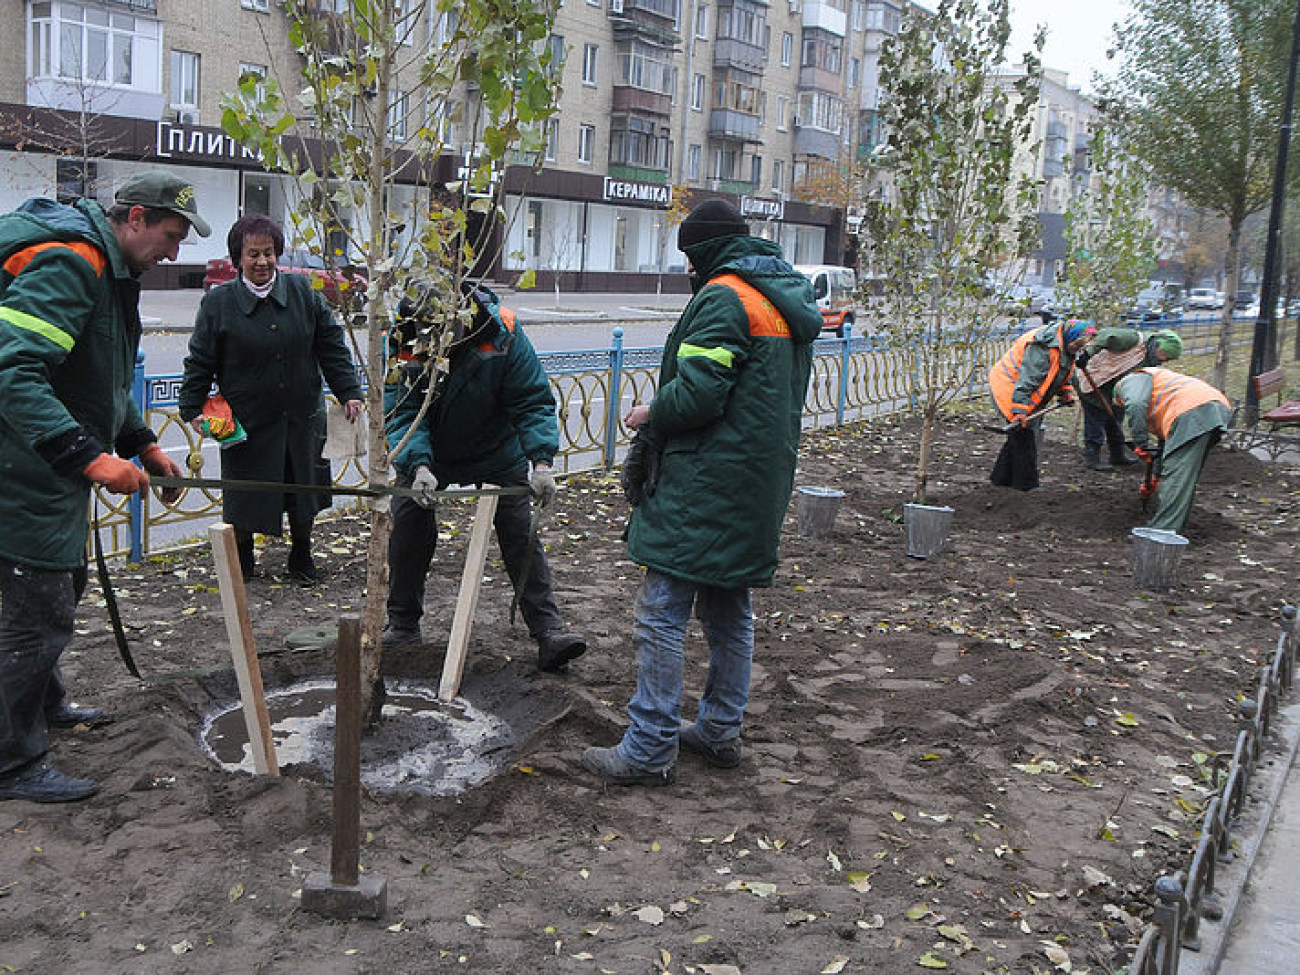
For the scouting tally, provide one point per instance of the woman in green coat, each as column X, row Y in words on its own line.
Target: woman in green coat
column 265, row 339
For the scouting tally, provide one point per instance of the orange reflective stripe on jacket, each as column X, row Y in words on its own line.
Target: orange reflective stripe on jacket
column 764, row 320
column 1173, row 394
column 507, row 319
column 18, row 260
column 1003, row 375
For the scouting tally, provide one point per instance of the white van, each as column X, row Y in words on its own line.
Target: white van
column 835, row 289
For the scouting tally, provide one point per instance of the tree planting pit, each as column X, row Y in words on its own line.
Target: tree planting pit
column 423, row 746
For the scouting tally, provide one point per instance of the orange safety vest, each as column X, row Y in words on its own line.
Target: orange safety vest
column 1003, row 376
column 1172, row 395
column 764, row 320
column 507, row 319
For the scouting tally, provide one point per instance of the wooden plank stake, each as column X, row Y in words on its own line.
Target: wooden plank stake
column 347, row 754
column 243, row 649
column 471, row 581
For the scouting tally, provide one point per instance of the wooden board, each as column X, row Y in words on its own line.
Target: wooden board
column 471, row 581
column 243, row 649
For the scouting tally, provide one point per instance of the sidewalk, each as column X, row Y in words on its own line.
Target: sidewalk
column 174, row 310
column 1260, row 888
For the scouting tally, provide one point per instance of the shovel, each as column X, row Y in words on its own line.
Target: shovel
column 1032, row 416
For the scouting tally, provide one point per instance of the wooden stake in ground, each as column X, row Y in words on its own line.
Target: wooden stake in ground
column 343, row 892
column 471, row 581
column 234, row 606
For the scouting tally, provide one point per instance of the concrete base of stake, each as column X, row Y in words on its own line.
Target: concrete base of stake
column 368, row 899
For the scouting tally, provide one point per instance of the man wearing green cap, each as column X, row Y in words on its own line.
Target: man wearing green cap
column 1109, row 357
column 69, row 332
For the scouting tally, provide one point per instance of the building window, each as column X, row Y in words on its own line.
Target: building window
column 397, row 106
column 556, row 50
column 638, row 142
column 247, row 68
column 778, row 175
column 787, row 49
column 586, row 143
column 185, row 80
column 782, row 111
column 552, row 138
column 855, row 72
column 702, row 21
column 858, row 14
column 258, row 5
column 590, row 54
column 94, row 44
column 693, row 155
column 736, row 90
column 697, row 93
column 756, row 171
column 740, row 23
column 646, row 67
column 75, row 179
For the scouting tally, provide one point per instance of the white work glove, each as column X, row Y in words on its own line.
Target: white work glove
column 541, row 484
column 426, row 486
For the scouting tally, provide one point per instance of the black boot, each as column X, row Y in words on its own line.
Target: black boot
column 244, row 546
column 1121, row 457
column 556, row 649
column 301, row 566
column 1092, row 458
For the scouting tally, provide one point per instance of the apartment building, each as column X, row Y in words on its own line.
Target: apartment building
column 729, row 98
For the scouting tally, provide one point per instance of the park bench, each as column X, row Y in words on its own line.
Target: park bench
column 1284, row 414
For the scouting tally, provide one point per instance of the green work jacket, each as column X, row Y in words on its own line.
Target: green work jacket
column 494, row 411
column 69, row 332
column 729, row 406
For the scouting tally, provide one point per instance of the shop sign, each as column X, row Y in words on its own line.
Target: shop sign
column 199, row 144
column 627, row 191
column 756, row 208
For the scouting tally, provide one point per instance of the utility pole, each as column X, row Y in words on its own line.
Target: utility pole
column 1263, row 351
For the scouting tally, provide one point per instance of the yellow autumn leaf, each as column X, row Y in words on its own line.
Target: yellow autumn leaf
column 931, row 960
column 1128, row 720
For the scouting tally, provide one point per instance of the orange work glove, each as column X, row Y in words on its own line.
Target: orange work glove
column 1143, row 454
column 118, row 475
column 157, row 462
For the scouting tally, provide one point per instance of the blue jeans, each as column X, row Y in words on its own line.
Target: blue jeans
column 663, row 608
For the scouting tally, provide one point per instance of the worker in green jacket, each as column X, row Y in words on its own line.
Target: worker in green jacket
column 69, row 332
column 1112, row 354
column 492, row 421
column 726, row 421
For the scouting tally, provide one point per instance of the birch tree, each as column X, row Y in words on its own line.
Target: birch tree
column 360, row 127
column 945, row 208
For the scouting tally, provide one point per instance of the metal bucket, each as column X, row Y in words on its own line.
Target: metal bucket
column 1156, row 554
column 927, row 529
column 816, row 509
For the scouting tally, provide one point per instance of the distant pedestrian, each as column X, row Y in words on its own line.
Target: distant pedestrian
column 265, row 339
column 1111, row 355
column 1033, row 372
column 727, row 418
column 1187, row 416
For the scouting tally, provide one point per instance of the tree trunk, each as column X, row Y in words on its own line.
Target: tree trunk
column 1219, row 378
column 929, row 416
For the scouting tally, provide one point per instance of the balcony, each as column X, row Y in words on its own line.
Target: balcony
column 629, row 98
column 724, row 123
column 816, row 142
column 817, row 13
column 819, row 79
column 736, row 187
column 637, row 174
column 730, row 53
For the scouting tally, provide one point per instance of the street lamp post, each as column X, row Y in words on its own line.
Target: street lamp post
column 1263, row 352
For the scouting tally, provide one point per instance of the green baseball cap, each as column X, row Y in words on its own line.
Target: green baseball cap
column 160, row 190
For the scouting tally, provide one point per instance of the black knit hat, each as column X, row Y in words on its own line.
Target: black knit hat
column 712, row 218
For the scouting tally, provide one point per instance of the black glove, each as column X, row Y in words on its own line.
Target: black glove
column 640, row 475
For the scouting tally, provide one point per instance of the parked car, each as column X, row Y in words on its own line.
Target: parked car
column 332, row 282
column 1203, row 299
column 835, row 289
column 1157, row 303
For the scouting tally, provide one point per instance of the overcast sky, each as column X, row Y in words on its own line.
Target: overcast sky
column 1078, row 33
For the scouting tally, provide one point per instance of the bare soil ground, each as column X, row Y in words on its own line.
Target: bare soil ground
column 978, row 762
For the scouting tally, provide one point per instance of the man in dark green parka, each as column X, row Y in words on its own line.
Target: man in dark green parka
column 492, row 421
column 727, row 415
column 69, row 331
